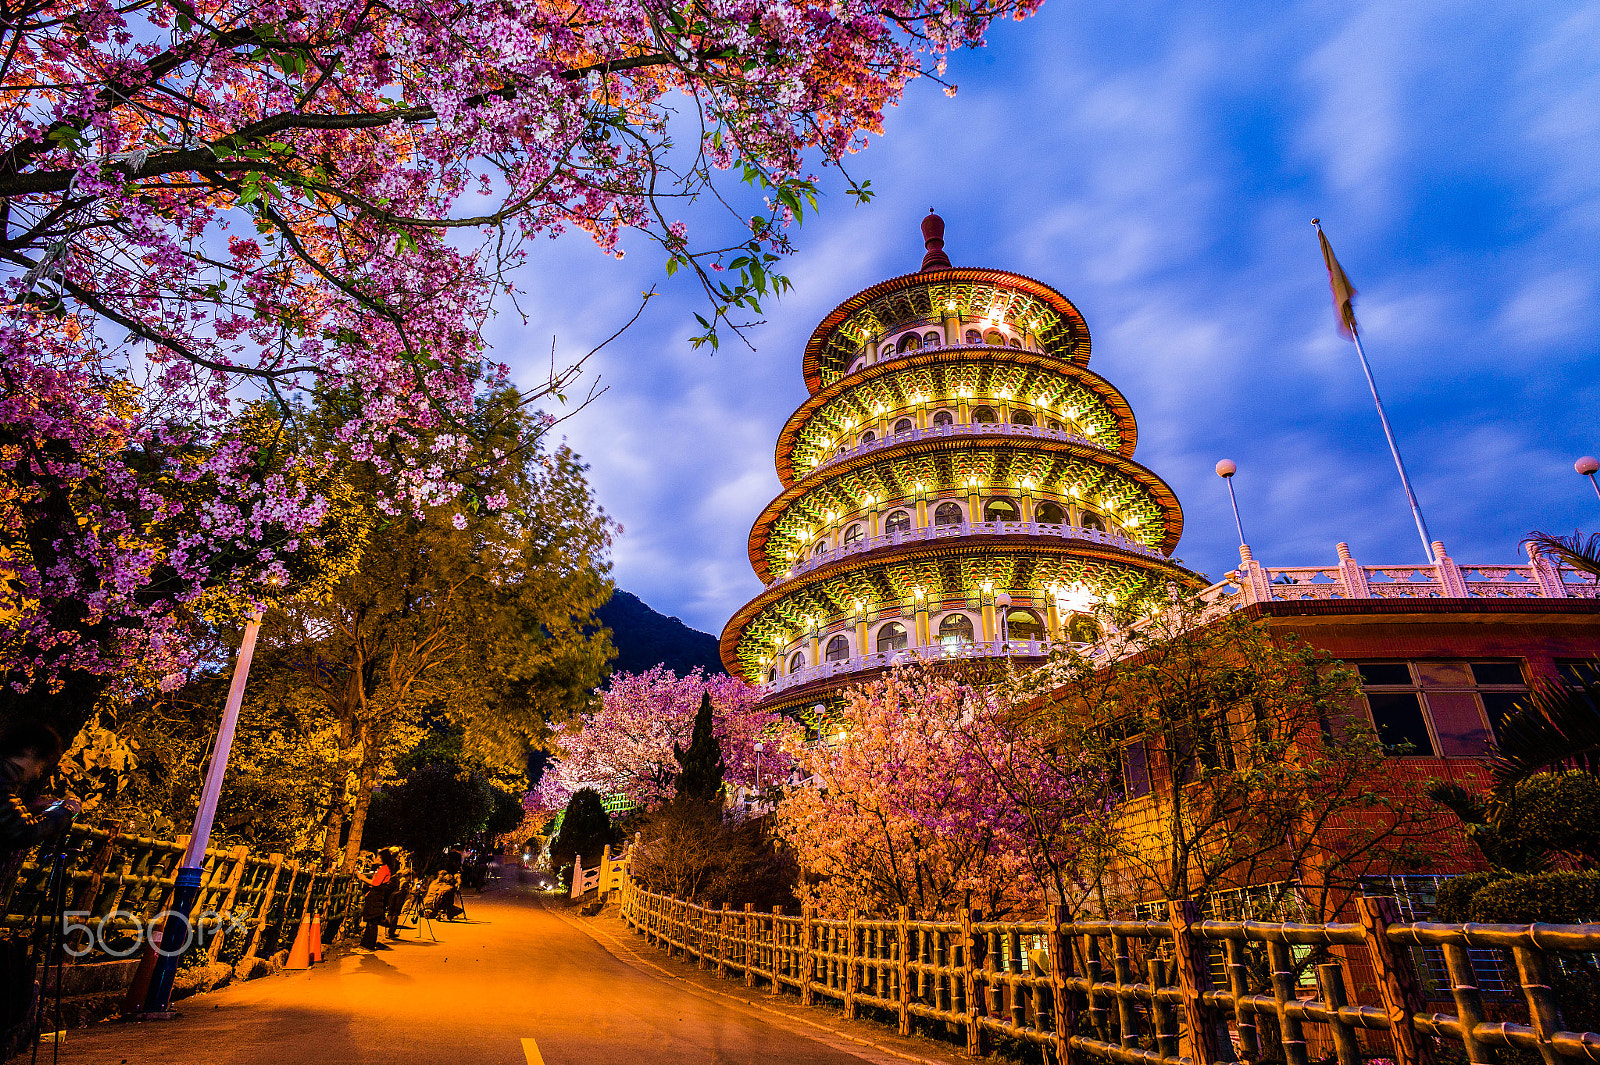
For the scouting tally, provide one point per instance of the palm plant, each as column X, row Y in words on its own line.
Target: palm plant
column 1573, row 550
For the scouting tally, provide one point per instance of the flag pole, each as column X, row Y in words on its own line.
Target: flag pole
column 1394, row 449
column 1343, row 298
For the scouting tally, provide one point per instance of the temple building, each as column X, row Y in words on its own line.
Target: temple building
column 959, row 484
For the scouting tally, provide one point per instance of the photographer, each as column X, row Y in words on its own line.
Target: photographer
column 29, row 751
column 380, row 883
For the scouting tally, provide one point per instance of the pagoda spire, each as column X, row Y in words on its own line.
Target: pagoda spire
column 933, row 240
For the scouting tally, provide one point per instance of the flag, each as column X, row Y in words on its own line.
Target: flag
column 1344, row 293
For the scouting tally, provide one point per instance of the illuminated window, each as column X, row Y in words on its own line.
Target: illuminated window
column 999, row 510
column 1082, row 630
column 1021, row 417
column 772, row 677
column 904, row 425
column 888, row 350
column 797, row 661
column 838, row 649
column 911, row 342
column 868, row 437
column 931, row 339
column 852, row 534
column 821, row 548
column 892, row 637
column 1023, row 625
column 984, row 415
column 1092, row 520
column 1050, row 514
column 947, row 514
column 899, row 521
column 974, row 337
column 943, row 417
column 994, row 338
column 955, row 630
column 1014, row 342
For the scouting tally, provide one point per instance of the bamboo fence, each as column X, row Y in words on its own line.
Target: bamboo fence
column 1143, row 992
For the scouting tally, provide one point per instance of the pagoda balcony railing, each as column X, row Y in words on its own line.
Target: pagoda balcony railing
column 868, row 544
column 937, row 432
column 954, row 651
column 1445, row 578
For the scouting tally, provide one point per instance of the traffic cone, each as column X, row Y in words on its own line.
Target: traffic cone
column 316, row 937
column 300, row 953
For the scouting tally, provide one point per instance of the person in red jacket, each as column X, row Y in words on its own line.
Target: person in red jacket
column 373, row 908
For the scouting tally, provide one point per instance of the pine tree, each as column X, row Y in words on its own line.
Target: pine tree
column 700, row 765
column 586, row 829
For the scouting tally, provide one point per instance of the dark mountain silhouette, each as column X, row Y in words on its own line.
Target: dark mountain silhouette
column 645, row 639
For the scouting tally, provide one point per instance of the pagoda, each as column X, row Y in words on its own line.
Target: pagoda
column 958, row 485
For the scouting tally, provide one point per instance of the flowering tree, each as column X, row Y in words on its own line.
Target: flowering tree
column 929, row 798
column 625, row 747
column 214, row 200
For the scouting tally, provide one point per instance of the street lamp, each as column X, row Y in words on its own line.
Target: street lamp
column 175, row 929
column 1587, row 467
column 759, row 748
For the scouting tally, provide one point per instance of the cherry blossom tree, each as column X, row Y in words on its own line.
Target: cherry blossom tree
column 929, row 795
column 625, row 747
column 210, row 202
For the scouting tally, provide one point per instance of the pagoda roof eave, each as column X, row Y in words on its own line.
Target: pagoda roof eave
column 1127, row 428
column 812, row 365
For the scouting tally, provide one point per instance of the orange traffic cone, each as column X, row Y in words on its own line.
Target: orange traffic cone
column 300, row 953
column 316, row 937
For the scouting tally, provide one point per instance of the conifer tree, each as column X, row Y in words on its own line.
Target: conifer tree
column 700, row 765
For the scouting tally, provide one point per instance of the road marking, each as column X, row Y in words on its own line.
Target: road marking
column 530, row 1050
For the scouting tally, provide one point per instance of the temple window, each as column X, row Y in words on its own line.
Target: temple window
column 838, row 649
column 955, row 630
column 911, row 342
column 1023, row 625
column 974, row 337
column 852, row 534
column 821, row 548
column 797, row 661
column 994, row 338
column 1054, row 425
column 931, row 339
column 888, row 350
column 1021, row 417
column 947, row 514
column 984, row 415
column 1092, row 520
column 1014, row 342
column 943, row 417
column 772, row 677
column 1082, row 630
column 999, row 510
column 892, row 637
column 904, row 425
column 1050, row 514
column 868, row 437
column 899, row 521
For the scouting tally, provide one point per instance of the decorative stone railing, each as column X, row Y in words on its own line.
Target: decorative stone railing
column 1444, row 578
column 945, row 532
column 952, row 651
column 936, row 432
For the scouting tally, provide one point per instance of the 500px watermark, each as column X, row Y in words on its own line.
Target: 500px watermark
column 80, row 937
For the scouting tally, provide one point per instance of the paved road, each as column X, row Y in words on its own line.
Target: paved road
column 518, row 985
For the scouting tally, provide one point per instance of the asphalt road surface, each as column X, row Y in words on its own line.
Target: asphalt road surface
column 518, row 985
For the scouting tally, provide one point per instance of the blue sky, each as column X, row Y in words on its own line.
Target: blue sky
column 1160, row 164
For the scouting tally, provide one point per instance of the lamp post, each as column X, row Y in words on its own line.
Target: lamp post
column 1002, row 607
column 1587, row 467
column 759, row 748
column 1226, row 469
column 175, row 931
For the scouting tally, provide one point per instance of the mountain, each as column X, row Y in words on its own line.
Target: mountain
column 644, row 639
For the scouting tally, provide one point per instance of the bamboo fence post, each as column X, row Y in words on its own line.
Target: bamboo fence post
column 1397, row 981
column 808, row 957
column 1193, row 978
column 777, row 986
column 241, row 856
column 88, row 893
column 722, row 940
column 969, row 987
column 1161, row 1019
column 1063, row 1016
column 1544, row 1017
column 1290, row 1031
column 749, row 921
column 850, row 966
column 266, row 906
column 1330, row 985
column 903, row 967
column 1239, row 988
column 1469, row 1002
column 700, row 961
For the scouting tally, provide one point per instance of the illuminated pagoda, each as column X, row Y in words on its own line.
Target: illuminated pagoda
column 959, row 484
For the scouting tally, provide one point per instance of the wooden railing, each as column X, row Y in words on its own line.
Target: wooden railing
column 117, row 884
column 1142, row 992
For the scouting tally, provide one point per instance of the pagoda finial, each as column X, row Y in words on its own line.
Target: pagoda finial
column 933, row 240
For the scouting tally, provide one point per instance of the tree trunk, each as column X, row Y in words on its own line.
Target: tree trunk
column 358, row 816
column 334, row 822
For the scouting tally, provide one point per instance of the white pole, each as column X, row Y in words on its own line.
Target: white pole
column 1394, row 449
column 1226, row 469
column 200, row 838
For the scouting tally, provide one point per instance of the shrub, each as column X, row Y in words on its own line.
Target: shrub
column 585, row 831
column 1553, row 898
column 1454, row 901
